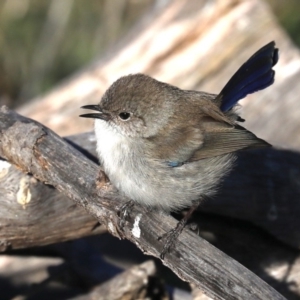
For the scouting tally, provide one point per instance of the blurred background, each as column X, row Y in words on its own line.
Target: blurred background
column 43, row 42
column 56, row 56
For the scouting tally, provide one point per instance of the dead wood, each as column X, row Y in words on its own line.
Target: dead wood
column 263, row 189
column 263, row 195
column 138, row 282
column 36, row 214
column 37, row 150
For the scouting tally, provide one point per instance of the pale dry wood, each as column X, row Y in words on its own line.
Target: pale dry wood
column 35, row 214
column 37, row 150
column 138, row 282
column 195, row 45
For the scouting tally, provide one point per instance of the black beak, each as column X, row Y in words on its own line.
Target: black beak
column 101, row 115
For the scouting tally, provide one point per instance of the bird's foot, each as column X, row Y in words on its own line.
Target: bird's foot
column 174, row 233
column 171, row 237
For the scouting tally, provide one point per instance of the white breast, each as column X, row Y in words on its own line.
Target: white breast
column 111, row 146
column 124, row 162
column 117, row 157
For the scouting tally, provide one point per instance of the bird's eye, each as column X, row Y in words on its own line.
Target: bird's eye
column 124, row 116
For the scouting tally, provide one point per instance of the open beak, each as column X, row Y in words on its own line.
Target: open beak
column 100, row 115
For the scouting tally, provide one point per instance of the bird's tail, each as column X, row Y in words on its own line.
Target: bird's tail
column 254, row 75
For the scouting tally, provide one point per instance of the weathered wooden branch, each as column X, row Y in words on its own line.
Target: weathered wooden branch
column 35, row 214
column 263, row 189
column 37, row 150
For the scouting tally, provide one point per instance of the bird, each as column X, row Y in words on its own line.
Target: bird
column 168, row 148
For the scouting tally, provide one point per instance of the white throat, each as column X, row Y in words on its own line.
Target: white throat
column 113, row 150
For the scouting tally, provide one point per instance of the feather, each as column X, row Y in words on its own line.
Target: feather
column 221, row 139
column 254, row 75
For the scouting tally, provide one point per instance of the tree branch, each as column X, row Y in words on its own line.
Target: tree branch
column 37, row 150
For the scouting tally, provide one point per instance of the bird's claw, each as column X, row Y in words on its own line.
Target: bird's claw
column 171, row 237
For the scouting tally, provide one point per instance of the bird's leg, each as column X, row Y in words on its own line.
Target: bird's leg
column 172, row 235
column 124, row 211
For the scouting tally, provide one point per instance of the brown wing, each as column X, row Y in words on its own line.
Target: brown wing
column 220, row 138
column 207, row 133
column 177, row 144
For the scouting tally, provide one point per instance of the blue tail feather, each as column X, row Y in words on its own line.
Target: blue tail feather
column 254, row 75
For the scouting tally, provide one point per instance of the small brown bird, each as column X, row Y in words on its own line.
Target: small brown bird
column 165, row 147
